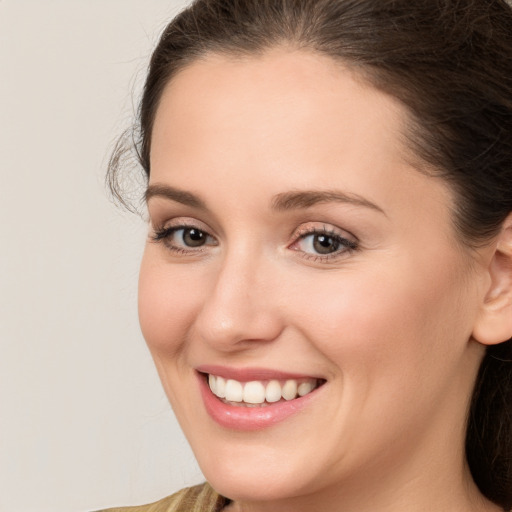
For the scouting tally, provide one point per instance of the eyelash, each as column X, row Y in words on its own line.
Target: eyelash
column 346, row 246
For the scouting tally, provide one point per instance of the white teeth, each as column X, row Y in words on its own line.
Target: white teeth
column 289, row 390
column 217, row 385
column 256, row 393
column 273, row 391
column 304, row 388
column 220, row 387
column 234, row 391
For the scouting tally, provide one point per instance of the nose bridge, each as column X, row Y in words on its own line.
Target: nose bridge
column 239, row 305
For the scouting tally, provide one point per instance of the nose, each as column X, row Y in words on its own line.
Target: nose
column 240, row 306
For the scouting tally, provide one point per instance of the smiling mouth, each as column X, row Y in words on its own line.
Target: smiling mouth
column 259, row 393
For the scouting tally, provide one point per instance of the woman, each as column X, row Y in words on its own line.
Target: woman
column 326, row 289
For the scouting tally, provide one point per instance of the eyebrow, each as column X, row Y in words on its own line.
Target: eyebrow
column 297, row 200
column 294, row 200
column 174, row 194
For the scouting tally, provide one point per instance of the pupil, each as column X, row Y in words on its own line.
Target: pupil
column 324, row 244
column 193, row 237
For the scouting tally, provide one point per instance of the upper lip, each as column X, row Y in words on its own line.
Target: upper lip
column 250, row 374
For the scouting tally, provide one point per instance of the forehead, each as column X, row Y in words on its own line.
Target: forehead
column 283, row 96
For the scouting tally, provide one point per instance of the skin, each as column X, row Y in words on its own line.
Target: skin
column 388, row 324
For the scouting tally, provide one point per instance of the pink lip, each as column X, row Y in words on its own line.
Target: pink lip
column 249, row 374
column 250, row 418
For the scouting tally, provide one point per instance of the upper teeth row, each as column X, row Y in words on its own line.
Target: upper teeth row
column 257, row 392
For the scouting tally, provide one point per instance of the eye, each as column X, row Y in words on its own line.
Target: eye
column 191, row 237
column 184, row 239
column 323, row 243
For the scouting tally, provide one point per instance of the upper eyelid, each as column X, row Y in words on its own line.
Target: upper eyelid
column 326, row 228
column 164, row 230
column 181, row 222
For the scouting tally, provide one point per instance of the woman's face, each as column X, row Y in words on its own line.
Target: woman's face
column 293, row 244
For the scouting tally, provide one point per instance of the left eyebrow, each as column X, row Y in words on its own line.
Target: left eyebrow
column 297, row 200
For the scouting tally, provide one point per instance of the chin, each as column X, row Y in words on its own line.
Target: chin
column 247, row 484
column 259, row 472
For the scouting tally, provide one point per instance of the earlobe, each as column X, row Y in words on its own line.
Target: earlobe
column 494, row 322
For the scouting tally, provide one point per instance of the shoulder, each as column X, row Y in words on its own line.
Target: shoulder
column 200, row 498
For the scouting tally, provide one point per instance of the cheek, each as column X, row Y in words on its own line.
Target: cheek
column 394, row 322
column 166, row 306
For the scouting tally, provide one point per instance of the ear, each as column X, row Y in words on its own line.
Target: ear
column 494, row 321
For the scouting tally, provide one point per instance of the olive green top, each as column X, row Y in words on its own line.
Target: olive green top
column 200, row 498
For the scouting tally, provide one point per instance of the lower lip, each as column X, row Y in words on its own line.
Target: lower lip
column 250, row 418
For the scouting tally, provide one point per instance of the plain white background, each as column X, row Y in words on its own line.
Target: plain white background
column 84, row 423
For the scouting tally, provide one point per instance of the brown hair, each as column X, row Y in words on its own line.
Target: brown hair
column 450, row 63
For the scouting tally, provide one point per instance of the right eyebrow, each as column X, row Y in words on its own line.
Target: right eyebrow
column 174, row 194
